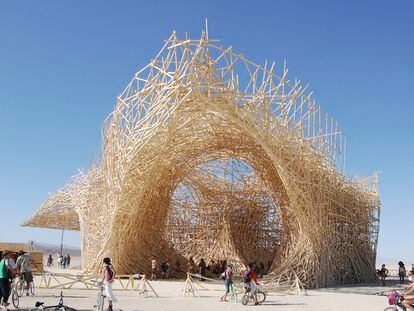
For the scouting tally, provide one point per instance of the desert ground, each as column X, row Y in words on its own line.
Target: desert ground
column 350, row 298
column 363, row 297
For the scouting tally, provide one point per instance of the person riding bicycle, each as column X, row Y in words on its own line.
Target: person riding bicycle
column 408, row 297
column 24, row 264
column 250, row 282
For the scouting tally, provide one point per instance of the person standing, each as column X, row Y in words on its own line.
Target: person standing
column 68, row 258
column 401, row 272
column 107, row 280
column 178, row 267
column 383, row 273
column 49, row 261
column 250, row 282
column 153, row 269
column 6, row 272
column 24, row 264
column 228, row 281
column 202, row 269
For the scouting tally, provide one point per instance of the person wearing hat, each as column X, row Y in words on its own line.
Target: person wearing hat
column 6, row 272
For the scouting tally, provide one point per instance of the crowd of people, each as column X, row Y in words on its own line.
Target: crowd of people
column 216, row 268
column 64, row 261
column 12, row 265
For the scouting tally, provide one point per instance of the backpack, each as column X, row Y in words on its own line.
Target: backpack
column 246, row 277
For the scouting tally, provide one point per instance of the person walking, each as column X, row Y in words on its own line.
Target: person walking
column 6, row 272
column 401, row 271
column 228, row 281
column 107, row 280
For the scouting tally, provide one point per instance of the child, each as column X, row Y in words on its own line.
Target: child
column 108, row 278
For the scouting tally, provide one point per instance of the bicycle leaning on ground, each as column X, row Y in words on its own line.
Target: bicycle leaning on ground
column 59, row 307
column 248, row 296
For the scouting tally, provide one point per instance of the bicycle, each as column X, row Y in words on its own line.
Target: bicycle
column 14, row 296
column 21, row 285
column 100, row 299
column 248, row 296
column 395, row 300
column 40, row 306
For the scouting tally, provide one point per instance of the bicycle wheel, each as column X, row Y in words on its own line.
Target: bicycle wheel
column 245, row 299
column 261, row 296
column 15, row 298
column 19, row 287
column 100, row 301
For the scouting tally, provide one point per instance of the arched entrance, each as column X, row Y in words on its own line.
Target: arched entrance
column 223, row 211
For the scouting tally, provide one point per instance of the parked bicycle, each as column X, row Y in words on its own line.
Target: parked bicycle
column 59, row 307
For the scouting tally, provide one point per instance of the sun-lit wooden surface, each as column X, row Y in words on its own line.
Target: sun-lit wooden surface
column 210, row 155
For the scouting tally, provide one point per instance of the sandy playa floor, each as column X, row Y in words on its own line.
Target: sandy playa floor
column 337, row 298
column 341, row 298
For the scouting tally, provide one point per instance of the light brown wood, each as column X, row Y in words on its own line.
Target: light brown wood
column 210, row 155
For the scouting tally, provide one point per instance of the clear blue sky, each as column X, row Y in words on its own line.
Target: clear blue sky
column 62, row 64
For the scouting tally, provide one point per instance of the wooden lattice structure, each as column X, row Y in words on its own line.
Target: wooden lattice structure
column 210, row 155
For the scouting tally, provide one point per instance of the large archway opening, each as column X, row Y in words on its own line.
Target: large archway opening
column 223, row 211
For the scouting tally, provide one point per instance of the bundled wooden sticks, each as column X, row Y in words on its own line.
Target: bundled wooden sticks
column 209, row 155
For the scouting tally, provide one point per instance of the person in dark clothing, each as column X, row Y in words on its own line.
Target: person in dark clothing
column 401, row 272
column 383, row 273
column 202, row 268
column 6, row 272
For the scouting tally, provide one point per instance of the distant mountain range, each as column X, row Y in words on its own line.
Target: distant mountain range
column 55, row 249
column 391, row 261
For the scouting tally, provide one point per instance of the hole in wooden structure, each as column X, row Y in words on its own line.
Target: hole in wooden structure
column 223, row 211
